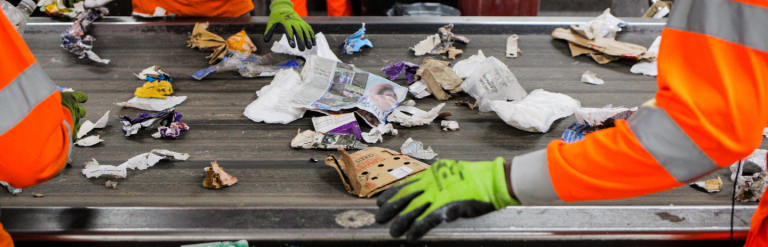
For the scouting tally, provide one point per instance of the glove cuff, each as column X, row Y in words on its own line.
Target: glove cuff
column 501, row 194
column 278, row 5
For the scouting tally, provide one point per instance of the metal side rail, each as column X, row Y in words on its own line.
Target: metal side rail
column 197, row 224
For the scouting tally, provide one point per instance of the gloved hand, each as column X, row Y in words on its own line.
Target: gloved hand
column 446, row 191
column 72, row 101
column 282, row 13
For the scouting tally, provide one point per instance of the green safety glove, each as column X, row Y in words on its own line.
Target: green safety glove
column 446, row 191
column 282, row 13
column 72, row 101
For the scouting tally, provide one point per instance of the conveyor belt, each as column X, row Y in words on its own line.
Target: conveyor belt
column 271, row 174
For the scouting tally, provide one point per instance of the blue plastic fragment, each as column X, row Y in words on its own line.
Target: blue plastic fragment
column 355, row 42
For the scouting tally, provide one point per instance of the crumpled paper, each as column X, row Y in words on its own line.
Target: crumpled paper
column 394, row 70
column 316, row 140
column 416, row 149
column 268, row 108
column 711, row 185
column 376, row 133
column 492, row 81
column 321, row 49
column 252, row 65
column 59, row 9
column 142, row 161
column 76, row 41
column 765, row 132
column 537, row 111
column 465, row 67
column 153, row 73
column 153, row 104
column 355, row 42
column 215, row 177
column 603, row 26
column 449, row 125
column 207, row 41
column 440, row 43
column 338, row 124
column 89, row 141
column 439, row 77
column 419, row 89
column 752, row 182
column 591, row 78
column 417, row 117
column 167, row 120
column 87, row 126
column 589, row 120
column 648, row 67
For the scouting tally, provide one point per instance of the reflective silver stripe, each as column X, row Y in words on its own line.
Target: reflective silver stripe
column 669, row 145
column 22, row 95
column 69, row 138
column 728, row 20
column 530, row 179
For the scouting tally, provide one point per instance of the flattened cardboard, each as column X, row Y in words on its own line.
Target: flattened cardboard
column 370, row 169
column 604, row 45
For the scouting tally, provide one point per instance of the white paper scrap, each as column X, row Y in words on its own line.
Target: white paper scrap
column 141, row 162
column 268, row 107
column 419, row 89
column 537, row 111
column 426, row 45
column 596, row 116
column 418, row 116
column 465, row 67
column 321, row 49
column 661, row 12
column 153, row 104
column 10, row 188
column 491, row 81
column 89, row 141
column 765, row 132
column 416, row 149
column 591, row 78
column 376, row 133
column 512, row 48
column 401, row 172
column 87, row 126
column 449, row 125
column 645, row 67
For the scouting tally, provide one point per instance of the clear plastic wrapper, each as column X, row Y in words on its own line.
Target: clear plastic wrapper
column 252, row 65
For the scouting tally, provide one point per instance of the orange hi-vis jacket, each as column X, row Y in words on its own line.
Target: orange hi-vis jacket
column 35, row 129
column 709, row 111
column 334, row 7
column 194, row 8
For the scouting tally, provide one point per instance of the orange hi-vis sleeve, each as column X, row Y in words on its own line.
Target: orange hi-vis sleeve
column 339, row 7
column 710, row 109
column 195, row 8
column 35, row 129
column 300, row 6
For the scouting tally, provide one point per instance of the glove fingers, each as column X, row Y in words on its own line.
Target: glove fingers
column 80, row 112
column 467, row 209
column 80, row 97
column 403, row 222
column 421, row 227
column 311, row 34
column 270, row 31
column 299, row 35
column 305, row 27
column 289, row 34
column 389, row 210
column 389, row 193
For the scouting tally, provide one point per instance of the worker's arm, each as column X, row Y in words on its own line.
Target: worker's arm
column 283, row 14
column 35, row 129
column 709, row 111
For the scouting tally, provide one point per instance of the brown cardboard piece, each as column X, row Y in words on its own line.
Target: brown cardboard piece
column 207, row 41
column 600, row 58
column 215, row 177
column 655, row 8
column 606, row 46
column 465, row 102
column 374, row 169
column 438, row 76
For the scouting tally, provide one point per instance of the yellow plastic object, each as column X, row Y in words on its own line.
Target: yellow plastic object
column 156, row 89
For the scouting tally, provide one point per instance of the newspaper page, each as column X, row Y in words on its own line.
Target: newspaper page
column 328, row 85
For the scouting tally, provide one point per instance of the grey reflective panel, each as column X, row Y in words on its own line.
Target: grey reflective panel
column 728, row 20
column 672, row 148
column 22, row 95
column 531, row 181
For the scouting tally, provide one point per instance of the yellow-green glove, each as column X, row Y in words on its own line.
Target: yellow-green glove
column 72, row 101
column 446, row 191
column 282, row 14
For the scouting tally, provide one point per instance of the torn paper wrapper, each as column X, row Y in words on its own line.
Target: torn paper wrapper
column 449, row 125
column 207, row 41
column 492, row 81
column 394, row 70
column 356, row 41
column 754, row 163
column 76, row 41
column 240, row 45
column 425, row 46
column 372, row 170
column 438, row 77
column 512, row 49
column 376, row 133
column 216, row 177
column 603, row 26
column 416, row 149
column 153, row 104
column 338, row 124
column 153, row 73
column 269, row 108
column 110, row 184
column 751, row 183
column 604, row 45
column 87, row 126
column 167, row 122
column 142, row 161
column 537, row 111
column 316, row 140
column 589, row 120
column 591, row 78
column 711, row 185
column 415, row 116
column 465, row 102
column 89, row 141
column 465, row 67
column 648, row 67
column 419, row 89
column 252, row 65
column 321, row 49
column 440, row 43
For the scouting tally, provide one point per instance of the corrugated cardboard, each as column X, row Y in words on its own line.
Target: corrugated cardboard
column 606, row 46
column 370, row 169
